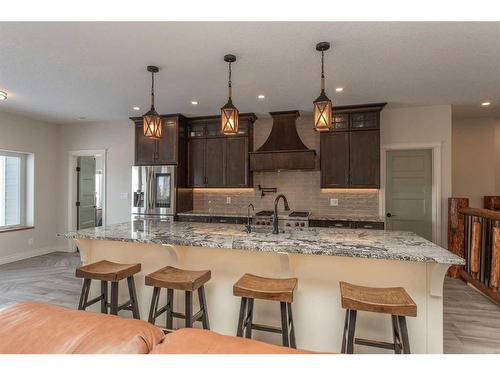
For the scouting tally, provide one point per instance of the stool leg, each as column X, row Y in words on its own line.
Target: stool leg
column 344, row 334
column 292, row 327
column 114, row 298
column 133, row 297
column 284, row 325
column 84, row 296
column 203, row 306
column 351, row 331
column 189, row 309
column 396, row 334
column 170, row 308
column 242, row 317
column 154, row 305
column 104, row 301
column 249, row 319
column 404, row 334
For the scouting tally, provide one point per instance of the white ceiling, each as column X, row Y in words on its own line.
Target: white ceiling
column 62, row 71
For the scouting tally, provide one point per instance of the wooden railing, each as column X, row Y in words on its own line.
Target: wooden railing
column 482, row 250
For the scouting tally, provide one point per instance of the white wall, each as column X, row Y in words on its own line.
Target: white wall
column 430, row 124
column 476, row 159
column 23, row 134
column 118, row 140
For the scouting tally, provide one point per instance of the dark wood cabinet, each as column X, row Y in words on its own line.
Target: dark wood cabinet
column 350, row 152
column 216, row 160
column 334, row 159
column 237, row 169
column 364, row 159
column 196, row 151
column 165, row 150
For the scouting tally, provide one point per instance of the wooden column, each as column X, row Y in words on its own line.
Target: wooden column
column 456, row 231
column 475, row 251
column 495, row 258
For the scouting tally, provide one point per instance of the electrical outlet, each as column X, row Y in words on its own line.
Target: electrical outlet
column 334, row 202
column 228, row 200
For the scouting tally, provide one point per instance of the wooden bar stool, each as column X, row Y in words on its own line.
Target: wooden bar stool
column 393, row 301
column 109, row 272
column 251, row 287
column 172, row 279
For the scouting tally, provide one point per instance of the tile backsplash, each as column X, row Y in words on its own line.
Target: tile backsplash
column 302, row 189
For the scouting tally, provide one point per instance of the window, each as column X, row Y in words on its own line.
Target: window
column 12, row 189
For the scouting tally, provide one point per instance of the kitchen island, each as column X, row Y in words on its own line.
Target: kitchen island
column 318, row 257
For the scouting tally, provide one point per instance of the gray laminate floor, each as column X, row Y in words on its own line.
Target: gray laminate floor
column 471, row 321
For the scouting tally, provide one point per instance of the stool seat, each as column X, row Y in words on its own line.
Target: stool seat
column 252, row 286
column 394, row 301
column 175, row 278
column 107, row 271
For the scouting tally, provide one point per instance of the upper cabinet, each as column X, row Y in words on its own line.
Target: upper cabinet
column 216, row 160
column 350, row 152
column 166, row 150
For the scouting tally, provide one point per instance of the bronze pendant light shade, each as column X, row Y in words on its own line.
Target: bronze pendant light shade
column 322, row 105
column 152, row 123
column 229, row 113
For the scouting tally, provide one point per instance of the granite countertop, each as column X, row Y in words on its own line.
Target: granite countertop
column 206, row 213
column 312, row 217
column 357, row 243
column 378, row 219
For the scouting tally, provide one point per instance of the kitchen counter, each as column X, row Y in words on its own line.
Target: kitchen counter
column 377, row 219
column 319, row 258
column 211, row 214
column 357, row 243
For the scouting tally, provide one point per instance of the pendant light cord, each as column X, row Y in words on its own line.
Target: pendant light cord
column 152, row 90
column 229, row 83
column 322, row 71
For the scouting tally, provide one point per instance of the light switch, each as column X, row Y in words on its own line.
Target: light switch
column 228, row 200
column 334, row 202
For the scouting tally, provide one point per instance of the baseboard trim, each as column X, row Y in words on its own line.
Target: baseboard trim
column 33, row 253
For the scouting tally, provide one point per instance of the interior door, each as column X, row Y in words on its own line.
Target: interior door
column 86, row 205
column 408, row 197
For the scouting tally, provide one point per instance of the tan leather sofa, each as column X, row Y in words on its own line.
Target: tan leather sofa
column 32, row 327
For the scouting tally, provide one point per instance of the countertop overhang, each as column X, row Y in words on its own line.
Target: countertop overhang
column 356, row 243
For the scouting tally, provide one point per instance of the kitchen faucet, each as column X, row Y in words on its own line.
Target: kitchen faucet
column 249, row 226
column 275, row 214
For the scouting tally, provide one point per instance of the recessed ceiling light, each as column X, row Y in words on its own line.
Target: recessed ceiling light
column 136, row 108
column 3, row 95
column 339, row 89
column 194, row 102
column 485, row 104
column 82, row 118
column 261, row 96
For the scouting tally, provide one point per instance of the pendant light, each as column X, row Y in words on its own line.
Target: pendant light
column 151, row 119
column 322, row 105
column 229, row 115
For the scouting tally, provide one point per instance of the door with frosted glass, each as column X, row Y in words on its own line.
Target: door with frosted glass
column 86, row 194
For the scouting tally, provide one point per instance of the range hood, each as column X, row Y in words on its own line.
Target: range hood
column 283, row 150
